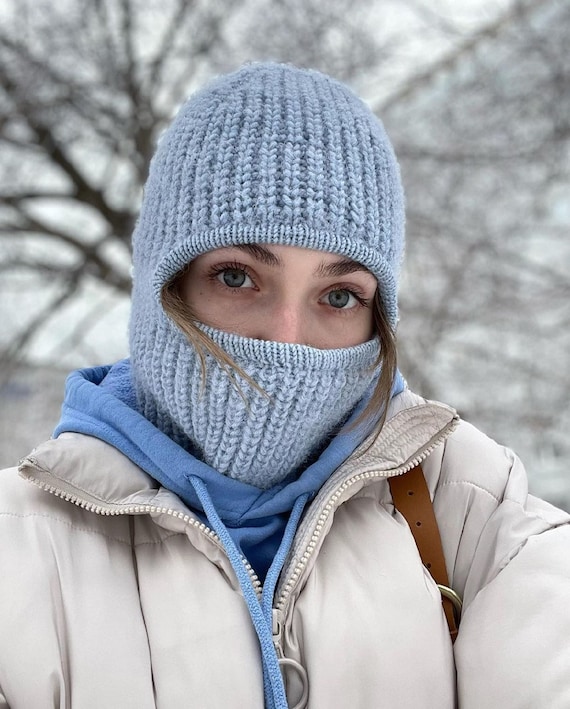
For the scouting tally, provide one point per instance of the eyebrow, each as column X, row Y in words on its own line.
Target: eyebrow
column 260, row 253
column 336, row 269
column 340, row 268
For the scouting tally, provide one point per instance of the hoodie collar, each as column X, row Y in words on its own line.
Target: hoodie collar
column 98, row 402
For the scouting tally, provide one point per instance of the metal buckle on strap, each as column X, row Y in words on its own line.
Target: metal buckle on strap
column 455, row 599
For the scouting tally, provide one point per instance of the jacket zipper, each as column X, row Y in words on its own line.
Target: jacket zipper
column 137, row 510
column 332, row 500
column 210, row 534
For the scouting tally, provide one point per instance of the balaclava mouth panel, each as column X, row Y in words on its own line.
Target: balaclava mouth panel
column 270, row 154
column 258, row 438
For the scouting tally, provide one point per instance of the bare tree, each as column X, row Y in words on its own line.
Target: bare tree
column 482, row 132
column 86, row 86
column 486, row 305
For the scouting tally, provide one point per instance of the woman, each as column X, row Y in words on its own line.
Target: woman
column 212, row 524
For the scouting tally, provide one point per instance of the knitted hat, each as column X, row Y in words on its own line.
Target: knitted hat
column 270, row 154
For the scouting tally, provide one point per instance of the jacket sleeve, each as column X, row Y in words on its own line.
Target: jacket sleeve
column 513, row 648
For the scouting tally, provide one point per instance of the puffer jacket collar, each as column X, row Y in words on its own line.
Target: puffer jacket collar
column 78, row 467
column 414, row 428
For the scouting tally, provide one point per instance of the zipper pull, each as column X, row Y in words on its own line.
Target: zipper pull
column 277, row 630
column 286, row 664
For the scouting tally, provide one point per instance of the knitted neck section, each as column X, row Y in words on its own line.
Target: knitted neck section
column 259, row 439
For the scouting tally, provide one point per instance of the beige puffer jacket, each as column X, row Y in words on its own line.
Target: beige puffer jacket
column 112, row 595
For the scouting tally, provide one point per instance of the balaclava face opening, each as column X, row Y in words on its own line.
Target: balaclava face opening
column 273, row 155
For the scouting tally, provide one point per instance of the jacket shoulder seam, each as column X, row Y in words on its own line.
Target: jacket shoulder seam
column 158, row 541
column 66, row 523
column 472, row 484
column 535, row 514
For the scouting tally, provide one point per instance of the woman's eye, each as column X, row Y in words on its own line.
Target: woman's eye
column 341, row 299
column 235, row 278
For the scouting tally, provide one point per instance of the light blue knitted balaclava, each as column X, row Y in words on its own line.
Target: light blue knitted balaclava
column 270, row 154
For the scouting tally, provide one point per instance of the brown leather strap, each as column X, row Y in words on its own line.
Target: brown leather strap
column 412, row 499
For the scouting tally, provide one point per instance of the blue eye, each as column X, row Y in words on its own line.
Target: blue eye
column 234, row 278
column 341, row 299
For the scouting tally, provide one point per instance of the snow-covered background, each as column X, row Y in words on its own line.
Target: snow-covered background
column 476, row 98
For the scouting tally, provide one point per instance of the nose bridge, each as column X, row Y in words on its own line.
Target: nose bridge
column 287, row 321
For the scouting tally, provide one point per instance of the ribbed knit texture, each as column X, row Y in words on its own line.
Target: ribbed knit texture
column 269, row 154
column 254, row 438
column 272, row 154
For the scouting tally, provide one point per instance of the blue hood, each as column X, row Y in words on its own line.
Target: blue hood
column 100, row 402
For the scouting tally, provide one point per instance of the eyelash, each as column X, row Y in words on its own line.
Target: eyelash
column 218, row 268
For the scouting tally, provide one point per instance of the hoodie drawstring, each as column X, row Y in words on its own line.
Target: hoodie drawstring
column 260, row 613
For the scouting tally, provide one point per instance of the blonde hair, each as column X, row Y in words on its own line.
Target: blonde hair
column 185, row 319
